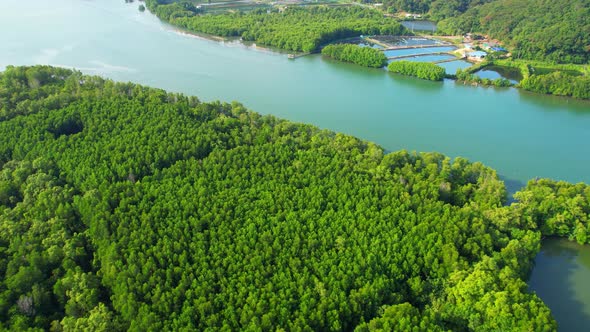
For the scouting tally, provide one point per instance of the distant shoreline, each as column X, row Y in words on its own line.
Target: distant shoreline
column 227, row 41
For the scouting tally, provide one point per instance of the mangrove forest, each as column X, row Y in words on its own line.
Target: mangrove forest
column 124, row 207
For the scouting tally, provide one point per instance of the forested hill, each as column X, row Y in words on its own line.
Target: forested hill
column 557, row 31
column 124, row 207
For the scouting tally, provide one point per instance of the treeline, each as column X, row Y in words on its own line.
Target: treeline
column 441, row 9
column 559, row 84
column 557, row 31
column 302, row 29
column 124, row 207
column 364, row 56
column 424, row 70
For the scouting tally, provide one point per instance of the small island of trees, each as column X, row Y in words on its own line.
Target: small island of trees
column 423, row 70
column 364, row 56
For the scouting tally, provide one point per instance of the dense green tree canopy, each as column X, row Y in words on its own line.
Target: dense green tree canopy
column 559, row 208
column 364, row 56
column 129, row 208
column 424, row 70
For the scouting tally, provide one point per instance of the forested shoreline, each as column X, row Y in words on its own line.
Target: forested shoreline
column 559, row 84
column 552, row 31
column 124, row 207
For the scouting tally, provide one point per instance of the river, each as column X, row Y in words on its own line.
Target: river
column 522, row 135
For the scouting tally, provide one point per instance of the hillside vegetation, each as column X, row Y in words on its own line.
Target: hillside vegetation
column 556, row 31
column 124, row 207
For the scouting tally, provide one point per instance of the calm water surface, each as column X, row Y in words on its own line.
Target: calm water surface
column 451, row 67
column 521, row 135
column 560, row 278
